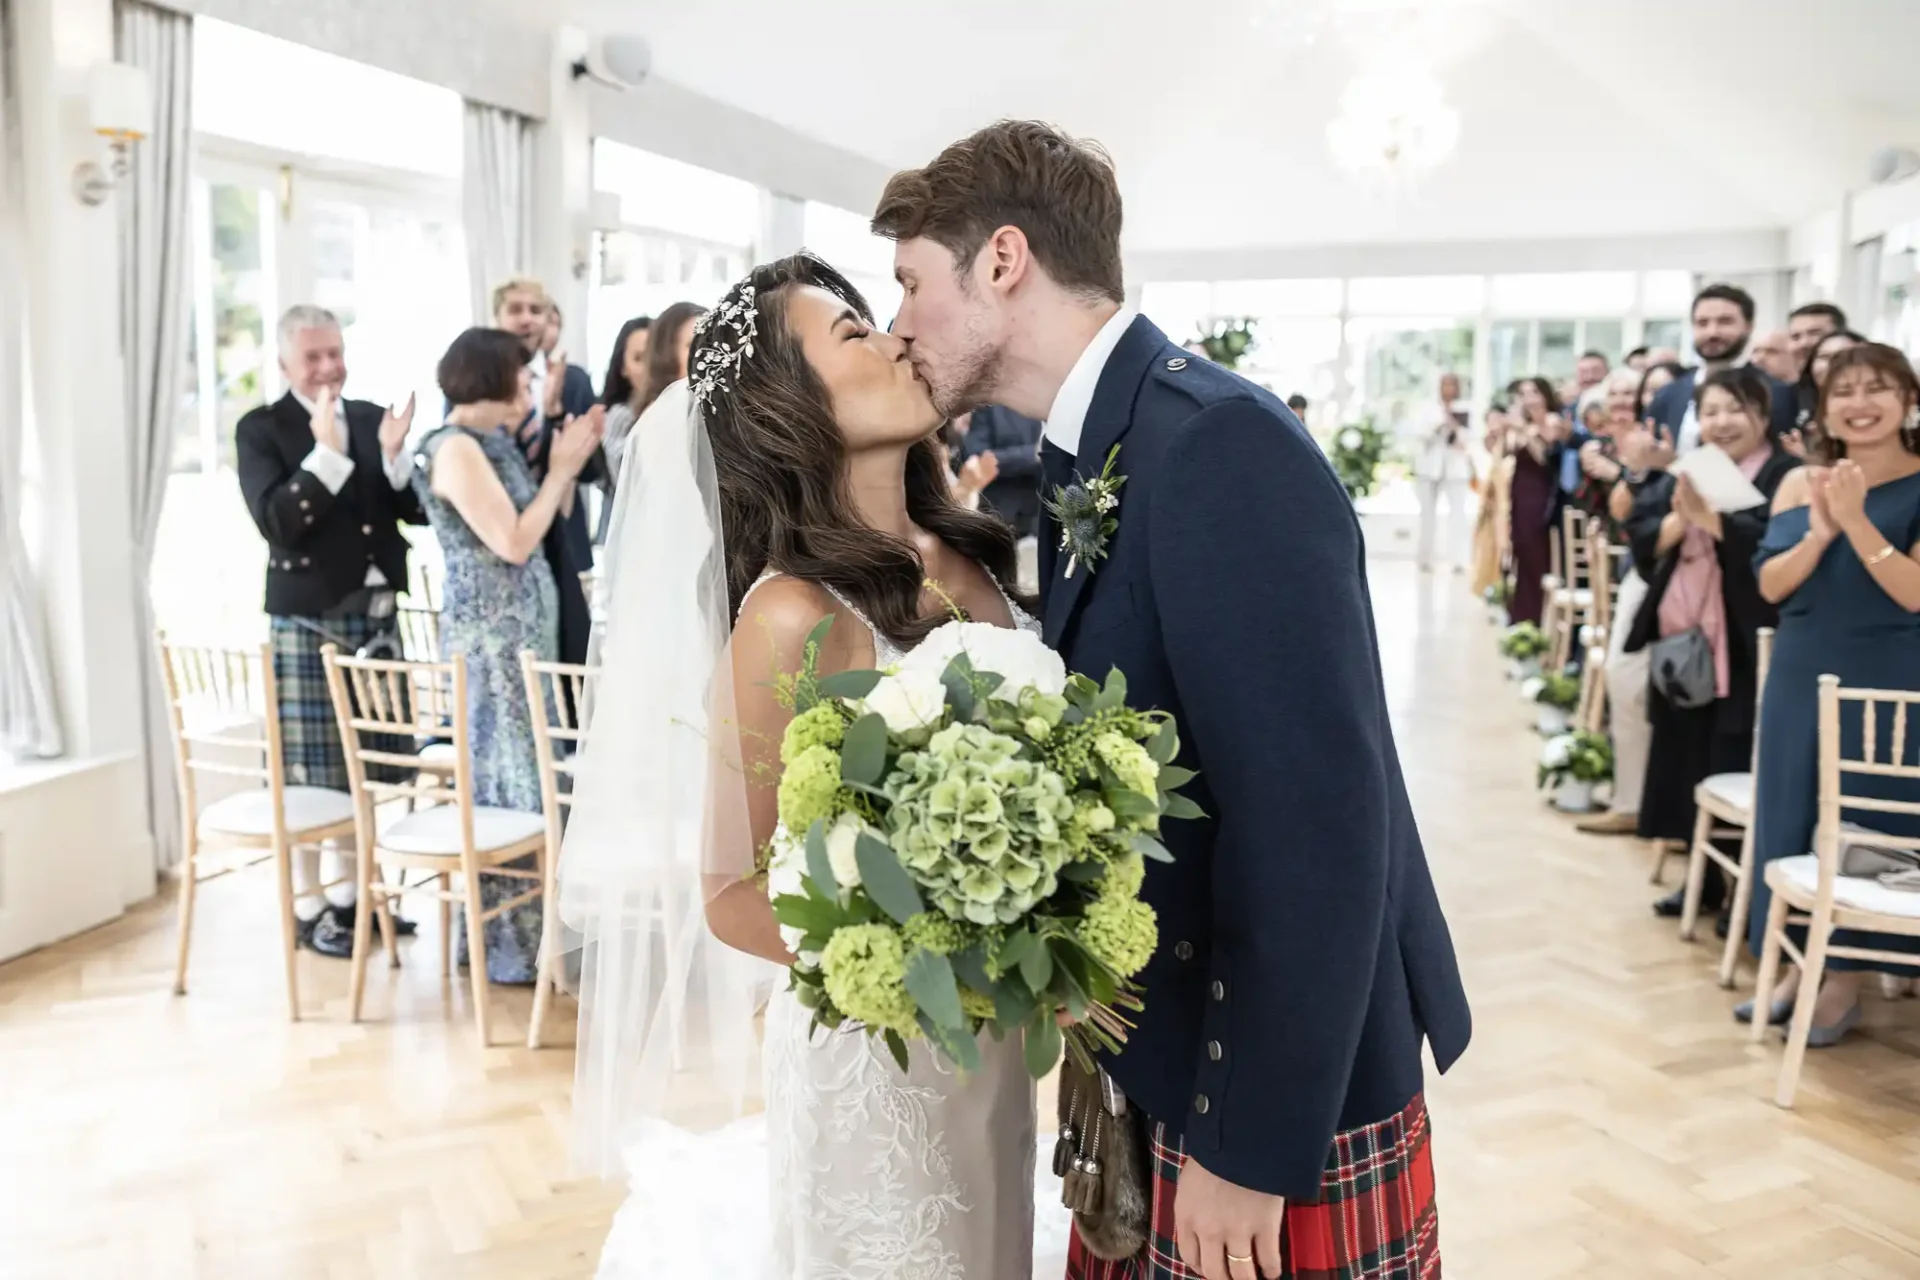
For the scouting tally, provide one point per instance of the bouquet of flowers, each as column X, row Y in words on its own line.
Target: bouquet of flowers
column 1523, row 641
column 962, row 842
column 1583, row 757
column 1358, row 450
column 1557, row 690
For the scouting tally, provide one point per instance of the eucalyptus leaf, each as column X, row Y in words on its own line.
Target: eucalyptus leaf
column 1083, row 872
column 970, row 966
column 1036, row 966
column 849, row 684
column 1181, row 807
column 817, row 637
column 960, row 695
column 1173, row 777
column 1165, row 744
column 1147, row 847
column 931, row 983
column 1043, row 1043
column 885, row 880
column 1013, row 1004
column 1131, row 804
column 812, row 915
column 863, row 754
column 896, row 1046
column 1014, row 948
column 1114, row 695
column 819, row 866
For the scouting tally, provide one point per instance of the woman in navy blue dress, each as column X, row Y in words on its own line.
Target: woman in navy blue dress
column 1842, row 559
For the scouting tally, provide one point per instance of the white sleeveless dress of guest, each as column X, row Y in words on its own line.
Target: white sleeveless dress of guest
column 868, row 1173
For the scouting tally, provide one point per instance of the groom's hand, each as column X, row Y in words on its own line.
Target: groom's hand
column 1226, row 1231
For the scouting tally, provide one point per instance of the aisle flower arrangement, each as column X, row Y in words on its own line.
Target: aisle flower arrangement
column 1496, row 598
column 1555, row 695
column 1228, row 341
column 1574, row 764
column 1522, row 645
column 962, row 844
column 1358, row 449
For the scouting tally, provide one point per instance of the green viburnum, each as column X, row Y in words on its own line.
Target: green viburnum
column 864, row 967
column 933, row 932
column 981, row 830
column 1121, row 932
column 1124, row 877
column 1130, row 763
column 823, row 726
column 975, row 1005
column 810, row 788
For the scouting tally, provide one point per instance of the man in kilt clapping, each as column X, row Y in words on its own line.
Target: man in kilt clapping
column 328, row 482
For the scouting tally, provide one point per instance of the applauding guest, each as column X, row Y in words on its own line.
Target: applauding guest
column 492, row 516
column 1701, row 592
column 1535, row 435
column 327, row 481
column 1842, row 560
column 1809, row 436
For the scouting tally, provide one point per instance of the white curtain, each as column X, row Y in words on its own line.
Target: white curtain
column 29, row 717
column 154, row 212
column 497, row 200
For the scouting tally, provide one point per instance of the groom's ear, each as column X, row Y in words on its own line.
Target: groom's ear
column 1006, row 259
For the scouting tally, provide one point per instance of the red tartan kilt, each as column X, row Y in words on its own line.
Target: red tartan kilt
column 1375, row 1219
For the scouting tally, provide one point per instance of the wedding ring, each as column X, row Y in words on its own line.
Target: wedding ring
column 1234, row 1257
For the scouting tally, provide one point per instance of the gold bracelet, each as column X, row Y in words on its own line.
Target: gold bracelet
column 1884, row 553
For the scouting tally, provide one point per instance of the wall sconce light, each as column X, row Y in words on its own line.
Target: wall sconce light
column 120, row 109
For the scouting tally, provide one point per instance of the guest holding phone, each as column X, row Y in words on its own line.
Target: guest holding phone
column 1535, row 435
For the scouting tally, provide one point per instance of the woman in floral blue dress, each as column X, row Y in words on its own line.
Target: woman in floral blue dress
column 500, row 597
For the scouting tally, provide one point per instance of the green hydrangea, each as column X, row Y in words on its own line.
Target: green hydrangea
column 1121, row 932
column 975, row 1005
column 810, row 788
column 983, row 831
column 933, row 932
column 823, row 726
column 1130, row 763
column 864, row 967
column 1124, row 877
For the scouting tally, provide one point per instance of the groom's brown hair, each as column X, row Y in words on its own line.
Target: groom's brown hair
column 1060, row 191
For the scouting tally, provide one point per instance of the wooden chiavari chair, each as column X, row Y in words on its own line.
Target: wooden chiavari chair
column 453, row 837
column 560, row 697
column 214, row 697
column 1809, row 890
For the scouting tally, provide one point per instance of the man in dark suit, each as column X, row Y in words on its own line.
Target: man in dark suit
column 1014, row 492
column 328, row 482
column 1303, row 956
column 1722, row 328
column 562, row 392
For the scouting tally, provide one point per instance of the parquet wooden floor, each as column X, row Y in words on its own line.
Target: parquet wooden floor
column 1609, row 1121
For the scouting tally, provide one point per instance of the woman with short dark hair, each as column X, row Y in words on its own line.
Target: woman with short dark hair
column 499, row 597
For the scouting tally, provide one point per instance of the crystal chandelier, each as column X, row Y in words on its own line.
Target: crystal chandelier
column 1394, row 123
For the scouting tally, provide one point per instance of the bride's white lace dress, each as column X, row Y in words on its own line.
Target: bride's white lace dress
column 869, row 1174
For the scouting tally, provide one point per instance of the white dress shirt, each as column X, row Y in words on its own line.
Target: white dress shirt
column 334, row 468
column 1068, row 417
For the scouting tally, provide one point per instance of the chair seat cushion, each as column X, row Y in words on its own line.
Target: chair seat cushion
column 437, row 830
column 251, row 812
column 1856, row 892
column 1733, row 790
column 437, row 756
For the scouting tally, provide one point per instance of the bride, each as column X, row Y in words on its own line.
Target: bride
column 794, row 477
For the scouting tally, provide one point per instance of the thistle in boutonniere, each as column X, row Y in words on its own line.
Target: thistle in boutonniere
column 1085, row 510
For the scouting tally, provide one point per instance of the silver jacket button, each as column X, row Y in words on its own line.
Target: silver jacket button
column 1219, row 990
column 1183, row 951
column 1176, row 364
column 1201, row 1105
column 1214, row 1051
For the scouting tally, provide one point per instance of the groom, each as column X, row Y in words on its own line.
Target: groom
column 1303, row 954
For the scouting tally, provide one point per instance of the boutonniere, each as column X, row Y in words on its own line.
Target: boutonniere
column 1084, row 510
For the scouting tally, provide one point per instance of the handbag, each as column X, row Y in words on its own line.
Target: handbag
column 1101, row 1160
column 1681, row 669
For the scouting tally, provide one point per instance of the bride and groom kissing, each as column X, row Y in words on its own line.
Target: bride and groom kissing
column 1275, row 1067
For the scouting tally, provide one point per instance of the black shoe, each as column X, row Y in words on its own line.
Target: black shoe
column 331, row 933
column 1670, row 907
column 401, row 928
column 1721, row 924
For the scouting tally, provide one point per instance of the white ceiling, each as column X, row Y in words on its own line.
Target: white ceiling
column 1578, row 118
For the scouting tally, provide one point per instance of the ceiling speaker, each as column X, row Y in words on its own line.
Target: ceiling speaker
column 621, row 62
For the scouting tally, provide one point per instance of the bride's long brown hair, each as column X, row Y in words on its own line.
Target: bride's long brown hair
column 780, row 464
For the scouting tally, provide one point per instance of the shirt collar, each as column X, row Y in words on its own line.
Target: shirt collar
column 1068, row 417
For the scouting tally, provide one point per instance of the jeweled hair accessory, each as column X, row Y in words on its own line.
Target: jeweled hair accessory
column 724, row 339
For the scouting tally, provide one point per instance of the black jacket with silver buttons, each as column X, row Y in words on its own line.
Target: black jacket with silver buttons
column 320, row 543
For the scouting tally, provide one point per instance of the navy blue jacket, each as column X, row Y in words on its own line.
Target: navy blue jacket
column 1303, row 955
column 569, row 543
column 1014, row 495
column 1669, row 408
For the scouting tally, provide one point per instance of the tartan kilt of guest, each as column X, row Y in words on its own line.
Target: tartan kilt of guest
column 1375, row 1219
column 309, row 730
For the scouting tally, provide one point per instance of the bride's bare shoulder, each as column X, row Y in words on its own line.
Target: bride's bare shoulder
column 778, row 615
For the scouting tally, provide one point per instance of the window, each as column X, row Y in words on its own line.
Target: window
column 1416, row 295
column 659, row 194
column 1512, row 352
column 1564, row 293
column 1558, row 353
column 1277, row 297
column 1664, row 333
column 1398, row 364
column 846, row 240
column 1181, row 309
column 1604, row 336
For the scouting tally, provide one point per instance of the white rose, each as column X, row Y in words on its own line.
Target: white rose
column 784, row 870
column 1351, row 438
column 1018, row 657
column 841, row 839
column 1557, row 751
column 1530, row 688
column 910, row 701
